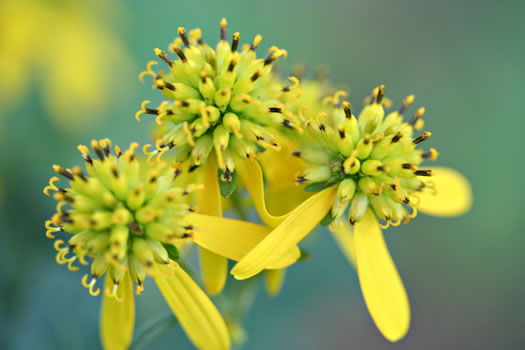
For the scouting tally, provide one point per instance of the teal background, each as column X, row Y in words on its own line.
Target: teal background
column 463, row 60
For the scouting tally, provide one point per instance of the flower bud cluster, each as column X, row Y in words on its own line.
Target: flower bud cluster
column 224, row 100
column 373, row 159
column 123, row 214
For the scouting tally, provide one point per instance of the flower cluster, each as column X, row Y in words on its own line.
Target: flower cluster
column 219, row 99
column 372, row 159
column 129, row 216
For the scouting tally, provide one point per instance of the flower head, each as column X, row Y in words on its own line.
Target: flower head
column 374, row 160
column 121, row 214
column 223, row 99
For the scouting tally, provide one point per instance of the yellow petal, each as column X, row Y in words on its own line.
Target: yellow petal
column 214, row 267
column 252, row 178
column 230, row 238
column 117, row 318
column 301, row 221
column 384, row 293
column 452, row 196
column 274, row 280
column 345, row 240
column 197, row 315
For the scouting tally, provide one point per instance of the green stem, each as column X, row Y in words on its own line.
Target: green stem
column 152, row 330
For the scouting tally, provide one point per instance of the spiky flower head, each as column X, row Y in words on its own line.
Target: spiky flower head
column 374, row 160
column 124, row 214
column 221, row 99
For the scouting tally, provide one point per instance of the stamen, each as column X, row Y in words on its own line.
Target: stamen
column 140, row 288
column 184, row 37
column 432, row 154
column 91, row 285
column 180, row 53
column 64, row 172
column 425, row 136
column 416, row 117
column 396, row 138
column 163, row 56
column 406, row 103
column 380, row 93
column 348, row 111
column 256, row 42
column 224, row 29
column 235, row 41
column 51, row 185
column 96, row 148
column 113, row 293
column 148, row 71
column 427, row 172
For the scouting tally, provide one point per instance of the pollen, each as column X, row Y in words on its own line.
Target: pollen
column 123, row 214
column 220, row 99
column 373, row 159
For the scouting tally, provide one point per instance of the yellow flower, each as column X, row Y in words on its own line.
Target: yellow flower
column 130, row 218
column 368, row 169
column 224, row 108
column 68, row 48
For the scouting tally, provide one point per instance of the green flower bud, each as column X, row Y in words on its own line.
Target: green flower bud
column 373, row 160
column 223, row 87
column 127, row 230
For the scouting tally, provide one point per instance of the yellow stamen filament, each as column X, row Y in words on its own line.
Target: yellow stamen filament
column 90, row 285
column 384, row 227
column 189, row 135
column 50, row 229
column 113, row 293
column 148, row 71
column 51, row 185
column 140, row 289
column 142, row 110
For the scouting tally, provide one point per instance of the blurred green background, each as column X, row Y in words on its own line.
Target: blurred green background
column 68, row 73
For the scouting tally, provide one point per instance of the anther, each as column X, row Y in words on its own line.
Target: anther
column 269, row 60
column 78, row 172
column 256, row 42
column 232, row 65
column 425, row 136
column 180, row 53
column 408, row 166
column 419, row 113
column 256, row 76
column 61, row 171
column 406, row 103
column 348, row 111
column 341, row 131
column 380, row 94
column 96, row 148
column 183, row 36
column 235, row 41
column 397, row 137
column 432, row 154
column 296, row 154
column 301, row 179
column 423, row 172
column 275, row 110
column 163, row 56
column 224, row 29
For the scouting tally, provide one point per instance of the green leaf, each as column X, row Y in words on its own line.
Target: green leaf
column 327, row 220
column 317, row 186
column 227, row 187
column 173, row 252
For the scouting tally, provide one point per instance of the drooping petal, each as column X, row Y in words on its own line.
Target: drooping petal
column 213, row 266
column 117, row 318
column 298, row 224
column 274, row 280
column 232, row 239
column 382, row 288
column 452, row 195
column 345, row 240
column 197, row 315
column 251, row 176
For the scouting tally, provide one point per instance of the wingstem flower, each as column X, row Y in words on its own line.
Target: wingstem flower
column 224, row 107
column 365, row 169
column 129, row 218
